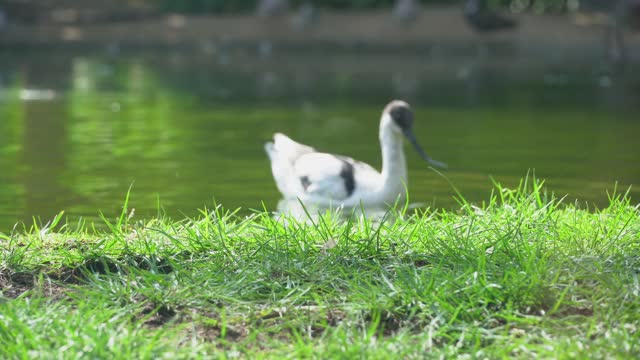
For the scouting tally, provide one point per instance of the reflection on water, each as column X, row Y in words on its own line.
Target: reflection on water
column 78, row 130
column 288, row 209
column 294, row 209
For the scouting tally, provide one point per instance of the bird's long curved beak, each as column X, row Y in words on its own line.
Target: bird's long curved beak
column 412, row 139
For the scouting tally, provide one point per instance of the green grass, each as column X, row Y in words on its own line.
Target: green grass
column 524, row 275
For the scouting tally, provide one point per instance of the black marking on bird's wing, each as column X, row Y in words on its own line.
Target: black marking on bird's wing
column 304, row 180
column 347, row 173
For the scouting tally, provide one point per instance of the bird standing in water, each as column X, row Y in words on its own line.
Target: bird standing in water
column 324, row 179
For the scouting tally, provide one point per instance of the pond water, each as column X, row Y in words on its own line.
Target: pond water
column 185, row 130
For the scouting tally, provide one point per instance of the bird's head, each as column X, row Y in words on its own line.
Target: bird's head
column 399, row 116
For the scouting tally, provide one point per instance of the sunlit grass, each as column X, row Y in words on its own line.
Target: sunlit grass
column 523, row 275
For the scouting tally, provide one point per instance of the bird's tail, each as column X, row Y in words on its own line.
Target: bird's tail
column 285, row 149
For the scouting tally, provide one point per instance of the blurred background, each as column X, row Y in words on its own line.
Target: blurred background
column 176, row 98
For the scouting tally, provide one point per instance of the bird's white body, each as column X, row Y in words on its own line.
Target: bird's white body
column 329, row 180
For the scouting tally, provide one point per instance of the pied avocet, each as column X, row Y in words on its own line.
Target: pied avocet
column 323, row 179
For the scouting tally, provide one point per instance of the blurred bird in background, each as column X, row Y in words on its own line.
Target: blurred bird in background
column 482, row 18
column 271, row 8
column 406, row 11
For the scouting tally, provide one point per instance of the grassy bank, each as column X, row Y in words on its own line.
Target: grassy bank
column 523, row 275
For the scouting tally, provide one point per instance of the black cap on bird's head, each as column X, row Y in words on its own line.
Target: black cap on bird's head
column 400, row 113
column 402, row 116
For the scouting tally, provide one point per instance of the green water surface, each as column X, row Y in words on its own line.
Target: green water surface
column 78, row 129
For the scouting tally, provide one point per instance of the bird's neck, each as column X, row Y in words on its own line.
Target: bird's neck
column 394, row 165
